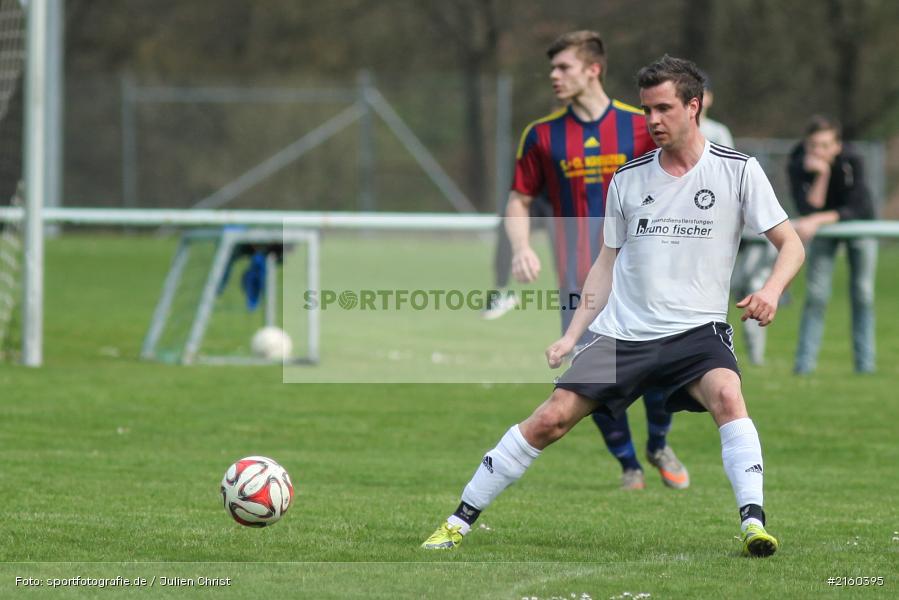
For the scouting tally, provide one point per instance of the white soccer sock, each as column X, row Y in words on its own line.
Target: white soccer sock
column 741, row 453
column 457, row 522
column 500, row 468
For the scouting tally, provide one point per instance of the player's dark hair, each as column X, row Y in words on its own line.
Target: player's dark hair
column 588, row 47
column 688, row 80
column 823, row 123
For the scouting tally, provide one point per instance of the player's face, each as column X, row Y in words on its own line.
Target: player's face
column 824, row 145
column 569, row 75
column 670, row 121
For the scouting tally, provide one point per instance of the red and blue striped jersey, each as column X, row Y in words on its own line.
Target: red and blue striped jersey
column 572, row 162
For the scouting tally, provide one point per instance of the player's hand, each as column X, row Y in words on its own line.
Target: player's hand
column 525, row 265
column 760, row 305
column 557, row 352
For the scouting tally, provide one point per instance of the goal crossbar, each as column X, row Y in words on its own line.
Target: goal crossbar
column 343, row 220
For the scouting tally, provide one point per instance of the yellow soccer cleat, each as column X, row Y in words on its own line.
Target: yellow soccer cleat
column 446, row 537
column 758, row 543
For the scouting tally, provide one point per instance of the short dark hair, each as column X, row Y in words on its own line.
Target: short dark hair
column 823, row 123
column 587, row 44
column 687, row 78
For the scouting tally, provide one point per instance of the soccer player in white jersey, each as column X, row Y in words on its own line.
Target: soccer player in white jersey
column 657, row 296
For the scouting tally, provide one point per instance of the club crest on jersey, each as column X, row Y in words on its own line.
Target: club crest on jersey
column 704, row 199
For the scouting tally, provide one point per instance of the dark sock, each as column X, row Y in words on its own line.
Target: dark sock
column 658, row 420
column 617, row 435
column 752, row 511
column 467, row 513
column 627, row 456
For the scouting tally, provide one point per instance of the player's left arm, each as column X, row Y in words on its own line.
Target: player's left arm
column 761, row 211
column 762, row 304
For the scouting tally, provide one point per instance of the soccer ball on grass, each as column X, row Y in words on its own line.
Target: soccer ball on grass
column 256, row 491
column 271, row 343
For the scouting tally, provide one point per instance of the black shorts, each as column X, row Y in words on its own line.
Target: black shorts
column 614, row 373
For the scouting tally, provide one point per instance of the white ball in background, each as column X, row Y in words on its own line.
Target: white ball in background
column 271, row 343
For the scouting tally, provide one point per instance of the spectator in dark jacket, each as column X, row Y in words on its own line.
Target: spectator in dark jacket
column 828, row 186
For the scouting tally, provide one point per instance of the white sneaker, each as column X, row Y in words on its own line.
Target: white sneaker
column 632, row 479
column 499, row 305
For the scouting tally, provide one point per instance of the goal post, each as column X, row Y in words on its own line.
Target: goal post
column 42, row 140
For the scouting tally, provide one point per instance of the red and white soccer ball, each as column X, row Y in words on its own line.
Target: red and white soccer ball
column 256, row 491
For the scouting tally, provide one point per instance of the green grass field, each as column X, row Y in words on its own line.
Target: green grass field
column 111, row 466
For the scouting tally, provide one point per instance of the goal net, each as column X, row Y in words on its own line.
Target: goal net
column 12, row 64
column 222, row 288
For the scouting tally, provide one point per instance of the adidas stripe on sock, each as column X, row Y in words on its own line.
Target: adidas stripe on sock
column 501, row 467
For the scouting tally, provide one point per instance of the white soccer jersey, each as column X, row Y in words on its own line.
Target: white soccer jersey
column 678, row 238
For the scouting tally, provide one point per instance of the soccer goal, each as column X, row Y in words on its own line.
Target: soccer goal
column 208, row 310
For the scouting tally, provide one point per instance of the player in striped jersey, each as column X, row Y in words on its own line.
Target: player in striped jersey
column 570, row 156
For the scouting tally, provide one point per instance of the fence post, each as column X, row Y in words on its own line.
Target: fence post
column 504, row 142
column 129, row 143
column 367, row 193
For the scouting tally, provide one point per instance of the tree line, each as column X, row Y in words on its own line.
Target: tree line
column 772, row 62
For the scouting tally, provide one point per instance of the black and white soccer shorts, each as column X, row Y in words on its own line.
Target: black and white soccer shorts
column 614, row 373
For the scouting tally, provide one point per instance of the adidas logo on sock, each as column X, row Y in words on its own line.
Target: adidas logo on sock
column 488, row 463
column 752, row 469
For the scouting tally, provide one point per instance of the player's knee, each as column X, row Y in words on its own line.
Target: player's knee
column 552, row 420
column 728, row 401
column 550, row 426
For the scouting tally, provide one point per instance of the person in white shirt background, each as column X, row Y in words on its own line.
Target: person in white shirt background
column 754, row 259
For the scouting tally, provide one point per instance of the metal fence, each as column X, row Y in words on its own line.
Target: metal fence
column 386, row 145
column 370, row 145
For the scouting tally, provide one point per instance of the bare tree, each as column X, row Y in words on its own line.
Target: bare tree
column 471, row 26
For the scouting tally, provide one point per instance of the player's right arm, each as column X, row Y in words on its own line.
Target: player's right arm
column 525, row 263
column 594, row 297
column 527, row 183
column 763, row 214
